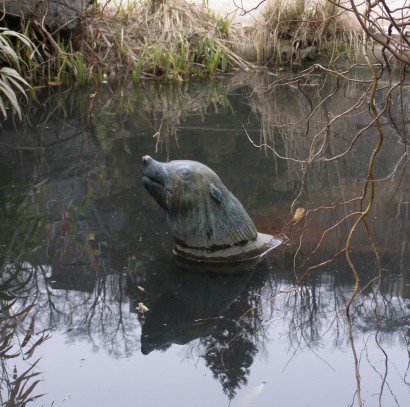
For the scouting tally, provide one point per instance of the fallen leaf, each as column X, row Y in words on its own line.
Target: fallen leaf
column 142, row 308
column 299, row 212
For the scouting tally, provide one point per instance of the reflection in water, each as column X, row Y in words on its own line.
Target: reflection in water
column 199, row 302
column 189, row 305
column 19, row 338
column 100, row 244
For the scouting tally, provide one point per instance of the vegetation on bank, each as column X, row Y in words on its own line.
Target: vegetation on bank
column 304, row 30
column 175, row 40
column 11, row 81
column 170, row 39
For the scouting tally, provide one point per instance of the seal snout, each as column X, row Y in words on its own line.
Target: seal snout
column 154, row 179
column 145, row 162
column 152, row 170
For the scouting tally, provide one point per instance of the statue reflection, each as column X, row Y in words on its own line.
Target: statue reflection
column 188, row 307
column 201, row 302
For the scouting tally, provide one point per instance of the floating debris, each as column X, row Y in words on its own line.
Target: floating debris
column 142, row 308
column 299, row 213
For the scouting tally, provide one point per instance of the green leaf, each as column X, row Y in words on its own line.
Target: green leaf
column 17, row 85
column 19, row 36
column 10, row 94
column 2, row 108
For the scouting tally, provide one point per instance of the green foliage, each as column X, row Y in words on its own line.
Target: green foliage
column 214, row 57
column 186, row 58
column 11, row 81
column 224, row 25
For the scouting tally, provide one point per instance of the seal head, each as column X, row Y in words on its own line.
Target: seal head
column 207, row 221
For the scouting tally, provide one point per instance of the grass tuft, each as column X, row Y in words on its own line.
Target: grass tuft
column 297, row 30
column 175, row 41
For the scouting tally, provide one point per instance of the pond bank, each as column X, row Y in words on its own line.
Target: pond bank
column 178, row 40
column 264, row 43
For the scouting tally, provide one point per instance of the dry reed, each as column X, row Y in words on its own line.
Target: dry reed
column 299, row 29
column 176, row 40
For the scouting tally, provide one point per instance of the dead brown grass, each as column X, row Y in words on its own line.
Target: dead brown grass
column 178, row 39
column 289, row 28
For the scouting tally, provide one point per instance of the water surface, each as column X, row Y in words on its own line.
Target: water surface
column 77, row 220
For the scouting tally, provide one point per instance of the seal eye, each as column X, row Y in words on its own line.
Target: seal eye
column 185, row 173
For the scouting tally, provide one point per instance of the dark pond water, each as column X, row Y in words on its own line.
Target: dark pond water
column 85, row 248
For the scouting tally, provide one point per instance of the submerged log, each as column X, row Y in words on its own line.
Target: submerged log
column 56, row 14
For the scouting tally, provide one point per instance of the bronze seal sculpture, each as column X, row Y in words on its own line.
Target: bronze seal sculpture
column 207, row 221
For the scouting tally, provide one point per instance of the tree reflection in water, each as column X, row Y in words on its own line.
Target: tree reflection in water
column 19, row 335
column 92, row 294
